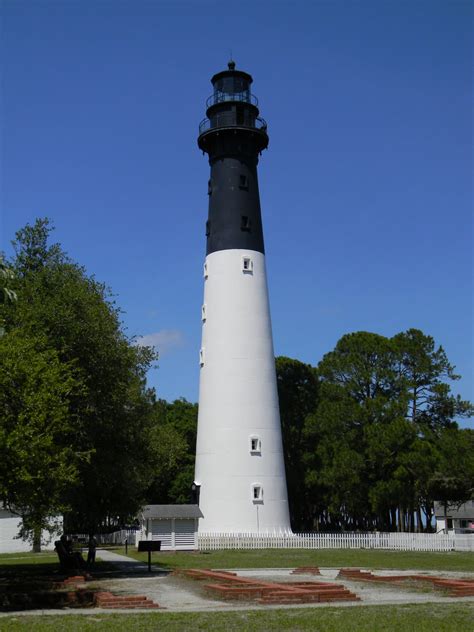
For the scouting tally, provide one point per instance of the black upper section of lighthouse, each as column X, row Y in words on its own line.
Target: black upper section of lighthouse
column 233, row 135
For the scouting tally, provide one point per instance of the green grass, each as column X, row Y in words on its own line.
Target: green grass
column 403, row 618
column 422, row 618
column 27, row 558
column 21, row 567
column 274, row 558
column 286, row 558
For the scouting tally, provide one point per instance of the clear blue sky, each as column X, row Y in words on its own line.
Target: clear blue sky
column 366, row 187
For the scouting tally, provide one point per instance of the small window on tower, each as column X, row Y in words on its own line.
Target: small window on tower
column 201, row 356
column 203, row 312
column 245, row 223
column 257, row 493
column 255, row 445
column 247, row 265
column 205, row 270
column 208, row 228
column 243, row 182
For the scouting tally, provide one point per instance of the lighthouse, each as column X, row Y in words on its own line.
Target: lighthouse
column 240, row 472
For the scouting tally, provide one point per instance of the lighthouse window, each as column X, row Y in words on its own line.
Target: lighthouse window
column 201, row 356
column 205, row 270
column 203, row 312
column 243, row 182
column 208, row 228
column 255, row 445
column 257, row 492
column 245, row 223
column 247, row 264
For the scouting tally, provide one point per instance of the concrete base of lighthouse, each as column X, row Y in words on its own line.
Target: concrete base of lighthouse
column 239, row 456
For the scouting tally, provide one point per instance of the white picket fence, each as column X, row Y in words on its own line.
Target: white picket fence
column 116, row 537
column 464, row 542
column 389, row 541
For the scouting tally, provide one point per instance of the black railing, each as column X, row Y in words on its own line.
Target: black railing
column 229, row 119
column 221, row 97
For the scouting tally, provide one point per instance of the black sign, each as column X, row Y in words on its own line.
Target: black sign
column 149, row 545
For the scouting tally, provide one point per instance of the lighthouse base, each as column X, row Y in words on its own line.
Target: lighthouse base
column 239, row 455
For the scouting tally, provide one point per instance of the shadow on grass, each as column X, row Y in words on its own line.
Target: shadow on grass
column 31, row 586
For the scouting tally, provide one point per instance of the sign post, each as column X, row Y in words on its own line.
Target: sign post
column 149, row 546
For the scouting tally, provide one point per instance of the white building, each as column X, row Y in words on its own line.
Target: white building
column 459, row 519
column 9, row 542
column 176, row 526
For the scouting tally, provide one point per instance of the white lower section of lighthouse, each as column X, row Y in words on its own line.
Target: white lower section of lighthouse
column 239, row 456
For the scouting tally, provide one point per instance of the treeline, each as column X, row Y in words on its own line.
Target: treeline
column 370, row 435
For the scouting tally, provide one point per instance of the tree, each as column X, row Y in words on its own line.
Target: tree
column 389, row 447
column 33, row 250
column 6, row 294
column 452, row 481
column 335, row 465
column 298, row 390
column 77, row 318
column 360, row 398
column 37, row 461
column 425, row 370
column 174, row 442
column 380, row 431
column 432, row 409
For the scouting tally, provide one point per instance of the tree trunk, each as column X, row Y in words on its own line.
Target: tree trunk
column 401, row 519
column 445, row 507
column 428, row 511
column 419, row 523
column 37, row 541
column 393, row 519
column 411, row 520
column 316, row 524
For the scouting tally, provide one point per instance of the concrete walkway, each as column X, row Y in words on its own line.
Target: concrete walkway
column 127, row 564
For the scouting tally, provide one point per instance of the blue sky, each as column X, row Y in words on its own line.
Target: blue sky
column 366, row 188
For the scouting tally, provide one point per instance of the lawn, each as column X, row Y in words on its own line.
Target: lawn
column 403, row 618
column 24, row 572
column 25, row 568
column 48, row 557
column 28, row 565
column 290, row 558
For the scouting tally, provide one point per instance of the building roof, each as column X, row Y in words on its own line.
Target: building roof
column 172, row 511
column 464, row 512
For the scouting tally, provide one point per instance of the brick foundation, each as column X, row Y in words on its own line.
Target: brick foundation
column 454, row 587
column 231, row 586
column 105, row 599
